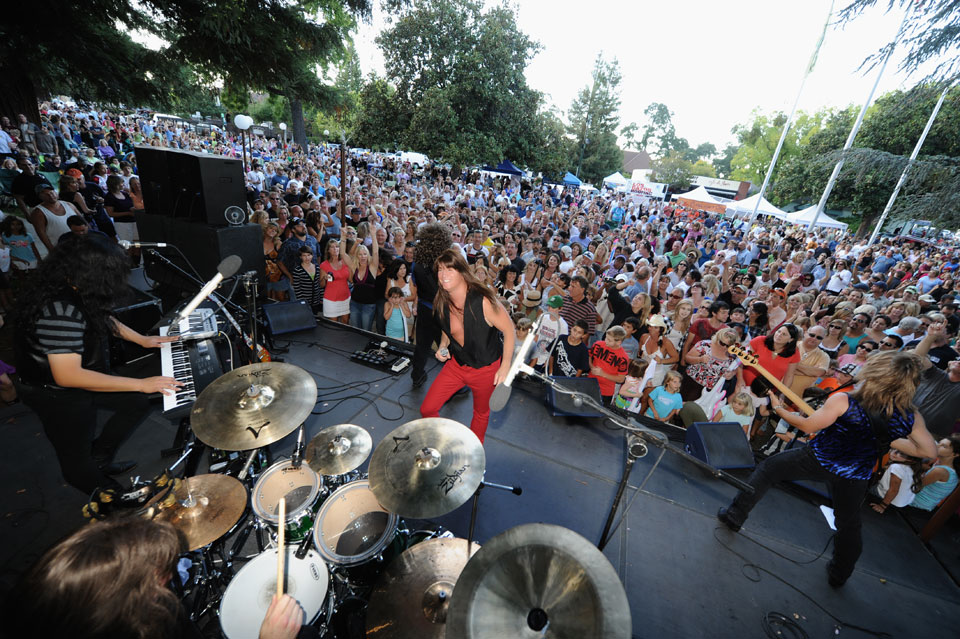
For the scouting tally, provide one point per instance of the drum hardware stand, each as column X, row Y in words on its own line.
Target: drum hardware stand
column 641, row 438
column 187, row 446
column 516, row 490
column 251, row 290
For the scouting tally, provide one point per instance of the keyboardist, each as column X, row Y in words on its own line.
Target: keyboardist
column 63, row 360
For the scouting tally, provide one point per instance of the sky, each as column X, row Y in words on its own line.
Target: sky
column 711, row 63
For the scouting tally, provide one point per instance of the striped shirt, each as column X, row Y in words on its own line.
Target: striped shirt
column 60, row 328
column 582, row 310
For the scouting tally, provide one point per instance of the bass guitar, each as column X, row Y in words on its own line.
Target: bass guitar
column 749, row 358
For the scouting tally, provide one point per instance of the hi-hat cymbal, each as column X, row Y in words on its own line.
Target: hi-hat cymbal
column 426, row 468
column 539, row 580
column 411, row 597
column 253, row 406
column 336, row 450
column 206, row 508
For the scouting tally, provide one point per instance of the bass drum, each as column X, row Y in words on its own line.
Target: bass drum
column 247, row 597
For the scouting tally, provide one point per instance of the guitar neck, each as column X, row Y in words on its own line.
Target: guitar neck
column 780, row 386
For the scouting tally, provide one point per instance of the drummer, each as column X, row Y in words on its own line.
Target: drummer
column 109, row 580
column 471, row 320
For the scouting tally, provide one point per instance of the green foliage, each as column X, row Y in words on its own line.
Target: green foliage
column 721, row 163
column 672, row 169
column 659, row 135
column 381, row 122
column 758, row 140
column 594, row 118
column 460, row 90
column 704, row 168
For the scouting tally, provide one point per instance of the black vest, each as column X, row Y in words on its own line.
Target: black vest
column 482, row 343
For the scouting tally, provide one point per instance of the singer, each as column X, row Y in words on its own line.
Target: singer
column 471, row 322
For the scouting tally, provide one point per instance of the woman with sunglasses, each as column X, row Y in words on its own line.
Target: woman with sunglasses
column 833, row 343
column 859, row 357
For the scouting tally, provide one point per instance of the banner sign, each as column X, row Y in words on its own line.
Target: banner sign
column 647, row 189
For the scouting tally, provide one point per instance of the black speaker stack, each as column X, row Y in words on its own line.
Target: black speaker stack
column 185, row 195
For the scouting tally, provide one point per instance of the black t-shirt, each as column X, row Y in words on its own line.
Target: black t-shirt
column 568, row 360
column 121, row 204
column 25, row 185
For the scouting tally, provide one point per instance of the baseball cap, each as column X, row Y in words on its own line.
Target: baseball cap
column 622, row 277
column 910, row 289
column 296, row 220
column 780, row 292
column 40, row 188
column 927, row 298
column 588, row 255
column 555, row 301
column 74, row 173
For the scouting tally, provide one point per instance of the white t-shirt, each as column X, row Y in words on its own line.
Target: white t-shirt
column 905, row 495
column 839, row 280
column 550, row 329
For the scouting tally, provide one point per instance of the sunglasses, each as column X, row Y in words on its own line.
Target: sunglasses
column 867, row 348
column 891, row 344
column 819, row 338
column 676, row 297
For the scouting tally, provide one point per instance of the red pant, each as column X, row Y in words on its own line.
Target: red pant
column 452, row 378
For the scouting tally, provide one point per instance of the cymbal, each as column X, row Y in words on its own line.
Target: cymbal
column 336, row 450
column 539, row 580
column 411, row 597
column 426, row 468
column 218, row 504
column 253, row 406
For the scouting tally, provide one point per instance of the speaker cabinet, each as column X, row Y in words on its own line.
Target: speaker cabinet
column 562, row 403
column 722, row 445
column 289, row 317
column 190, row 185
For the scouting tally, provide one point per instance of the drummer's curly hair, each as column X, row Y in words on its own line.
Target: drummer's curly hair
column 91, row 273
column 432, row 240
column 105, row 580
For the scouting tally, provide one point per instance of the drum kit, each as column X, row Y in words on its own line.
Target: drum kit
column 339, row 537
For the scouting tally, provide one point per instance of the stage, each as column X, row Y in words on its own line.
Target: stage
column 684, row 576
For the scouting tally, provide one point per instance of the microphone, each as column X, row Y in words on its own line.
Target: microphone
column 225, row 269
column 502, row 392
column 126, row 244
column 297, row 458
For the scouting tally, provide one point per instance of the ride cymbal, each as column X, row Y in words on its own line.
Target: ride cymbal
column 539, row 580
column 336, row 450
column 253, row 406
column 411, row 597
column 426, row 468
column 205, row 508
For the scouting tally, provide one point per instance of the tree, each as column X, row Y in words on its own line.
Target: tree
column 721, row 163
column 458, row 72
column 672, row 169
column 594, row 118
column 381, row 121
column 758, row 140
column 704, row 168
column 659, row 134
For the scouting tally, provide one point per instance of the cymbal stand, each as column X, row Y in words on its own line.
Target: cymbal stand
column 516, row 490
column 642, row 435
column 210, row 580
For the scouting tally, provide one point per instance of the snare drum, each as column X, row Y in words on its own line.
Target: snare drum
column 302, row 488
column 354, row 533
column 247, row 597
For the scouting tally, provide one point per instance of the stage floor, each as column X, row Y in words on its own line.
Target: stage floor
column 684, row 576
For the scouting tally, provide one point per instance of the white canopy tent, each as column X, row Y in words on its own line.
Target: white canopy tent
column 803, row 217
column 699, row 194
column 616, row 179
column 744, row 208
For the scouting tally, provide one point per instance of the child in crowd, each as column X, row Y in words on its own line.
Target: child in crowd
column 552, row 326
column 630, row 342
column 900, row 482
column 739, row 409
column 665, row 401
column 609, row 362
column 631, row 391
column 523, row 325
column 397, row 314
column 570, row 357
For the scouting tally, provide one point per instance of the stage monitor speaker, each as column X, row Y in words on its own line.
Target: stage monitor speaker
column 190, row 185
column 289, row 317
column 722, row 445
column 562, row 403
column 204, row 246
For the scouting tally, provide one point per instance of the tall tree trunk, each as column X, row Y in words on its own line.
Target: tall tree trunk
column 299, row 128
column 866, row 225
column 17, row 94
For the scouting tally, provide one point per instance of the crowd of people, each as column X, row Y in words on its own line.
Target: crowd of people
column 651, row 300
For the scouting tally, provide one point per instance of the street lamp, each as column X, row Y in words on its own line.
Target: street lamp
column 243, row 122
column 283, row 127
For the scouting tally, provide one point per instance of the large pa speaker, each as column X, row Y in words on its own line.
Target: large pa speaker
column 190, row 185
column 562, row 403
column 204, row 246
column 289, row 317
column 722, row 445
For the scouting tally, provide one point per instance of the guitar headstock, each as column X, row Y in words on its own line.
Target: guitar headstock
column 746, row 356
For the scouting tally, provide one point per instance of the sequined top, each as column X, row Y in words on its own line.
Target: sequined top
column 848, row 448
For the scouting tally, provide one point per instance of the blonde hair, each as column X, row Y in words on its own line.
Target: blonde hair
column 672, row 375
column 725, row 335
column 711, row 285
column 616, row 332
column 888, row 382
column 745, row 400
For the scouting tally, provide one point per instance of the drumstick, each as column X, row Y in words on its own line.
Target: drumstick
column 280, row 553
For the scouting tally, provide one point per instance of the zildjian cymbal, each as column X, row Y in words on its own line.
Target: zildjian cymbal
column 205, row 508
column 253, row 406
column 411, row 597
column 427, row 468
column 538, row 580
column 336, row 450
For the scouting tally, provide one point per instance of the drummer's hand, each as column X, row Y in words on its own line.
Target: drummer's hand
column 283, row 620
column 154, row 341
column 159, row 384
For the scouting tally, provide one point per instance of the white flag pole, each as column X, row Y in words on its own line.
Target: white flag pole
column 856, row 125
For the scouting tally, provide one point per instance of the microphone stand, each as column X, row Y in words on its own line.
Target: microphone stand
column 222, row 300
column 640, row 438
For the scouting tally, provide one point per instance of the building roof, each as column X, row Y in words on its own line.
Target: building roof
column 633, row 160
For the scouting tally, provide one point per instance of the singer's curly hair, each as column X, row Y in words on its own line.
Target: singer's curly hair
column 432, row 240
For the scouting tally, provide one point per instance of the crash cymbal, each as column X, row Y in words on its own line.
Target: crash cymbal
column 253, row 406
column 206, row 508
column 411, row 597
column 336, row 450
column 426, row 468
column 539, row 580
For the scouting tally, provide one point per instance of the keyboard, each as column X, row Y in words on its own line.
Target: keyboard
column 201, row 324
column 194, row 363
